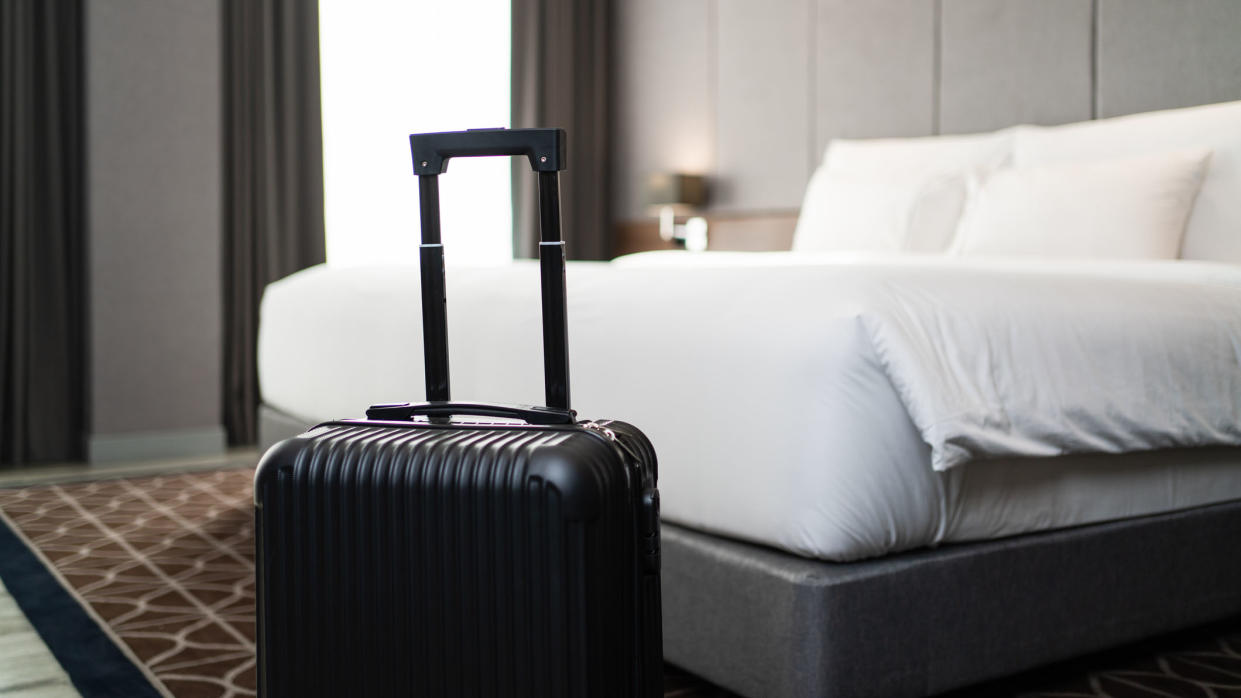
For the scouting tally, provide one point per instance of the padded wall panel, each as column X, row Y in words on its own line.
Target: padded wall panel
column 874, row 70
column 762, row 104
column 1006, row 62
column 664, row 115
column 1155, row 54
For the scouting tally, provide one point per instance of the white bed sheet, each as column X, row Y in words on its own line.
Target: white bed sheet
column 813, row 453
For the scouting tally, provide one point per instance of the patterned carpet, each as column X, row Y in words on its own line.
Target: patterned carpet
column 166, row 562
column 165, row 565
column 1202, row 662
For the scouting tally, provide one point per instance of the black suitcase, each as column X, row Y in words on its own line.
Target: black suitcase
column 412, row 553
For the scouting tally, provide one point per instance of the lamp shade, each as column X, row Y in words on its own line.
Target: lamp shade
column 681, row 191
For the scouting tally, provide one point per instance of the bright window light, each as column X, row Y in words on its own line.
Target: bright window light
column 390, row 68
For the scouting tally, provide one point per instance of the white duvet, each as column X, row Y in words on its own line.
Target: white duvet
column 803, row 401
column 1019, row 358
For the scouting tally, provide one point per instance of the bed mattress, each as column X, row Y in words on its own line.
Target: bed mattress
column 810, row 453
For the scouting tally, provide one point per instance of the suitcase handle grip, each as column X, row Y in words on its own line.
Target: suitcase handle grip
column 544, row 147
column 404, row 411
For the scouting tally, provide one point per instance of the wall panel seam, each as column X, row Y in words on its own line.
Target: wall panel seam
column 812, row 100
column 937, row 64
column 1094, row 59
column 713, row 85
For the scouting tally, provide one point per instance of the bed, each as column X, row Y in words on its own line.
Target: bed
column 890, row 470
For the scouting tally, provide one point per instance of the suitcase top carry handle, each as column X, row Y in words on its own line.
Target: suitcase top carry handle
column 545, row 147
column 532, row 414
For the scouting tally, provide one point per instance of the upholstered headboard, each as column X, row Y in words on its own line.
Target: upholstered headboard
column 749, row 92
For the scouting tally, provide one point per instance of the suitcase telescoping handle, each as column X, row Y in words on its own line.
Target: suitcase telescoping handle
column 545, row 149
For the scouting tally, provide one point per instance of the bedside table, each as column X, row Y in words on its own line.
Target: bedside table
column 759, row 232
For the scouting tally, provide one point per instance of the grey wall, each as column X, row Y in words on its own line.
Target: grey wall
column 749, row 92
column 154, row 187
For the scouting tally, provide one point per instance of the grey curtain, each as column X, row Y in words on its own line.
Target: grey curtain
column 562, row 62
column 273, row 177
column 42, row 231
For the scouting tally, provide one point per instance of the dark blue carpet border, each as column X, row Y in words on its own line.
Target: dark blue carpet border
column 97, row 667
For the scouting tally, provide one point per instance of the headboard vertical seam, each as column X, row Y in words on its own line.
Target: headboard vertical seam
column 713, row 84
column 1094, row 59
column 812, row 102
column 937, row 63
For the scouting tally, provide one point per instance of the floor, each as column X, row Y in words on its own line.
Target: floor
column 27, row 668
column 77, row 472
column 1200, row 662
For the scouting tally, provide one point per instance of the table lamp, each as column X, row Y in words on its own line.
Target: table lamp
column 673, row 194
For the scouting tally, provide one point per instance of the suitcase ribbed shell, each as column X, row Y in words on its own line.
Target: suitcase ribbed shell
column 449, row 560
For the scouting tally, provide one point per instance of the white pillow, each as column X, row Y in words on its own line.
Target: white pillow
column 1114, row 209
column 893, row 194
column 920, row 156
column 1214, row 228
column 878, row 212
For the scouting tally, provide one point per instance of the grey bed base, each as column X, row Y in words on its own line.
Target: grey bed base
column 768, row 624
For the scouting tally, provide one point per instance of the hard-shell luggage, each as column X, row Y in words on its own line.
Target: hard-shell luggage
column 425, row 552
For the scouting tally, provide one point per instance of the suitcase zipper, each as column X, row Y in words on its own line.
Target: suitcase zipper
column 611, row 436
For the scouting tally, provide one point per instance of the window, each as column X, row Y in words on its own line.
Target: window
column 395, row 67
